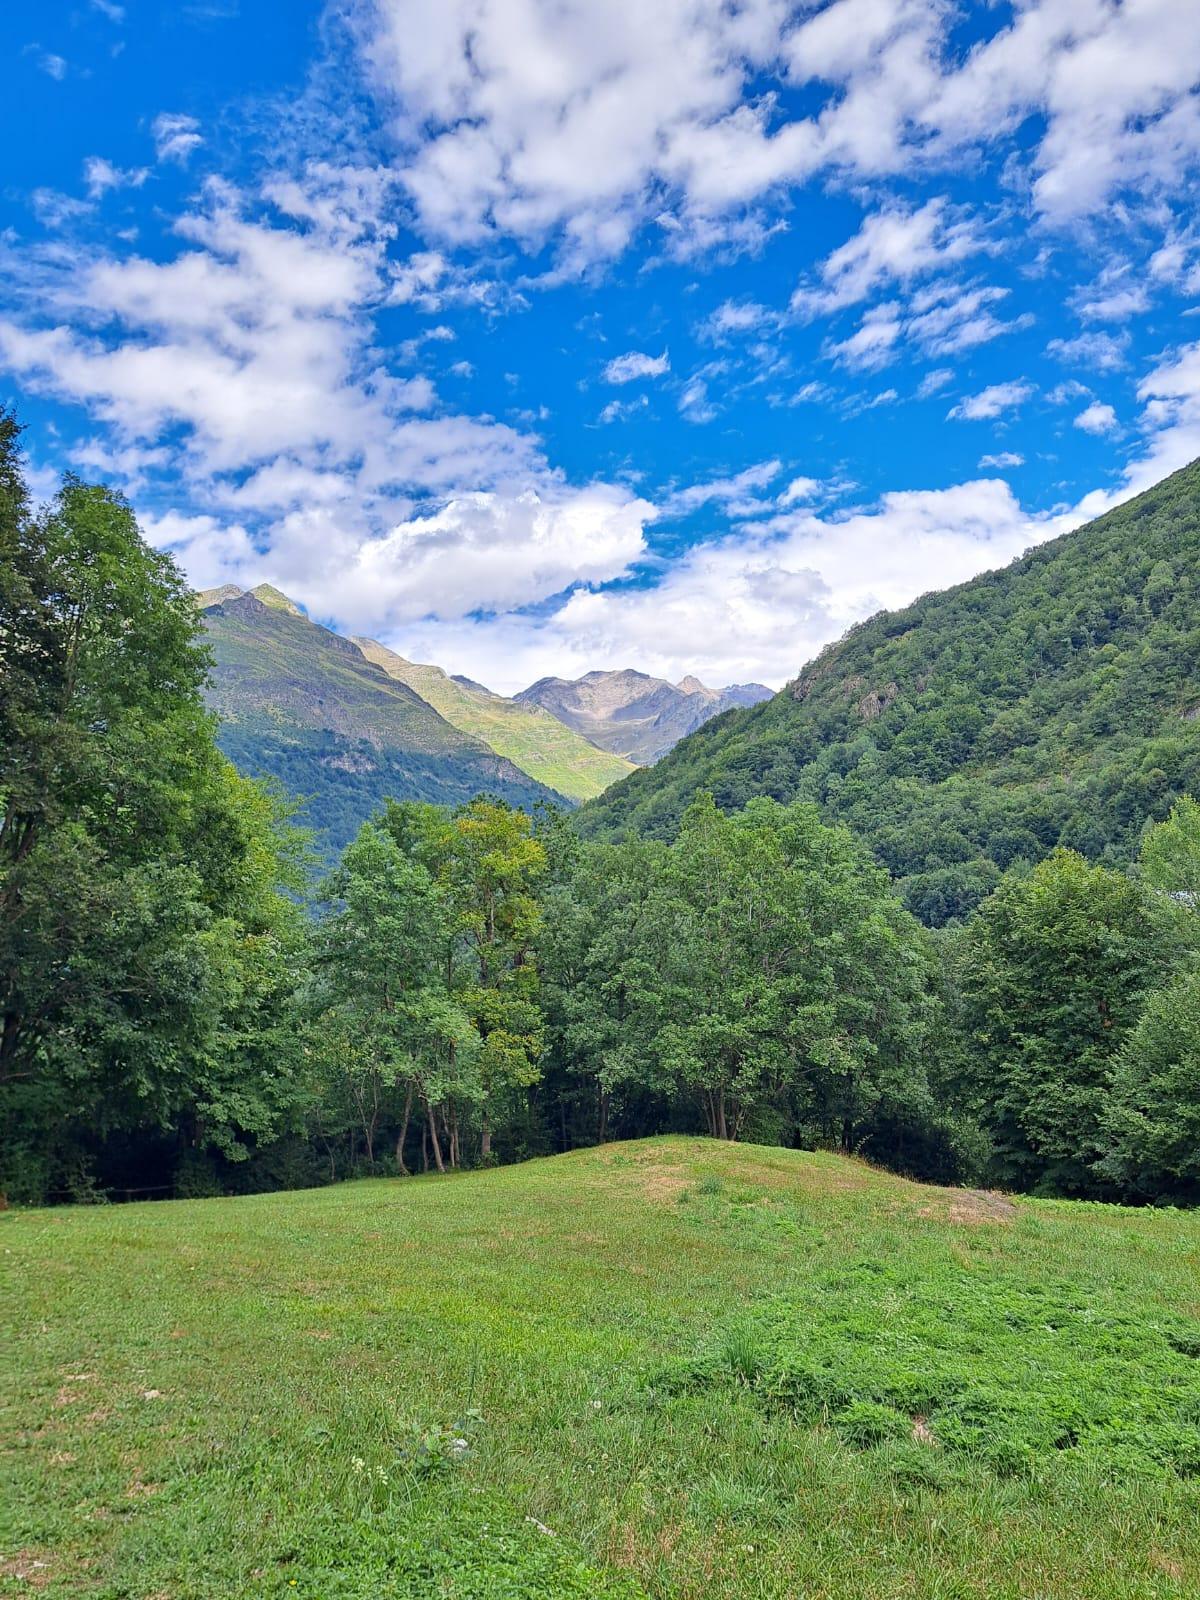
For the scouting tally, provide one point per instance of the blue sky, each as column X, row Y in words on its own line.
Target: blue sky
column 533, row 336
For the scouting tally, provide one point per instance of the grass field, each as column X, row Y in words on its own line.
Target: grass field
column 671, row 1368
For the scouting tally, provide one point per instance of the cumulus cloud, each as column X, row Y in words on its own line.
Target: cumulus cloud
column 534, row 120
column 239, row 379
column 766, row 598
column 1097, row 418
column 622, row 410
column 991, row 402
column 1002, row 459
column 933, row 382
column 636, row 364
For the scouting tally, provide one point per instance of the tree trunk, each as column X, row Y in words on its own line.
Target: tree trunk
column 431, row 1119
column 602, row 1119
column 403, row 1134
column 485, row 1142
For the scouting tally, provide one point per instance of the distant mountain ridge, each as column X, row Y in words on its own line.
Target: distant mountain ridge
column 303, row 705
column 634, row 715
column 540, row 744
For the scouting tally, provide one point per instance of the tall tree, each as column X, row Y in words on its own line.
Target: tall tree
column 1056, row 967
column 124, row 836
column 387, row 1021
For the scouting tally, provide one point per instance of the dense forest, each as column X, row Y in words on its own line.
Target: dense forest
column 183, row 1012
column 1053, row 703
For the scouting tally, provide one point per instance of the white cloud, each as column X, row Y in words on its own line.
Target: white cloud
column 737, row 494
column 1097, row 418
column 176, row 137
column 733, row 318
column 1102, row 352
column 100, row 176
column 581, row 123
column 766, row 599
column 894, row 245
column 1118, row 293
column 799, row 489
column 636, row 364
column 694, row 402
column 1171, row 397
column 1177, row 262
column 622, row 410
column 991, row 402
column 53, row 66
column 478, row 551
column 935, row 381
column 1002, row 459
column 1063, row 393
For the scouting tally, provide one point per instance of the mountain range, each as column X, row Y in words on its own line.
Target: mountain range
column 342, row 723
column 634, row 715
column 1055, row 701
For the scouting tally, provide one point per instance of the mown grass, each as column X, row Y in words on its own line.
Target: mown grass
column 695, row 1367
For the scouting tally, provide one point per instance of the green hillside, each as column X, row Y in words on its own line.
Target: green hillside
column 303, row 705
column 674, row 1369
column 533, row 740
column 1054, row 701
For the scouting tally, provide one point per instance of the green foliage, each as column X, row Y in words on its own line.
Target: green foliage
column 947, row 1362
column 1051, row 703
column 759, row 967
column 1055, row 968
column 1153, row 1121
column 145, row 946
column 426, row 984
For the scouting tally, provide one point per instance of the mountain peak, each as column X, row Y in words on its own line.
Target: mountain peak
column 218, row 597
column 692, row 685
column 275, row 599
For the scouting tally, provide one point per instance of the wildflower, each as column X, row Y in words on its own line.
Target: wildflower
column 459, row 1447
column 357, row 1463
column 597, row 1405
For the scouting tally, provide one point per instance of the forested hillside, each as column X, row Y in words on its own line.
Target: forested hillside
column 1056, row 701
column 304, row 706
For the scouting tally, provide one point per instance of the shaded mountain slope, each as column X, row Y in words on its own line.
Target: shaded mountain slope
column 632, row 714
column 1054, row 701
column 302, row 705
column 538, row 743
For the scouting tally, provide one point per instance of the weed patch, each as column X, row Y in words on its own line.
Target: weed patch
column 1007, row 1373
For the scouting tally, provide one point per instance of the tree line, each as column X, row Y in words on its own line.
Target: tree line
column 184, row 1011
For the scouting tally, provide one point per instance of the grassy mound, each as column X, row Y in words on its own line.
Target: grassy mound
column 670, row 1369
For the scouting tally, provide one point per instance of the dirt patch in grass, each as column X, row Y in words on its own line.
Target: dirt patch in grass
column 28, row 1566
column 662, row 1184
column 970, row 1207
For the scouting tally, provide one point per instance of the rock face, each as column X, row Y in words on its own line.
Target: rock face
column 634, row 715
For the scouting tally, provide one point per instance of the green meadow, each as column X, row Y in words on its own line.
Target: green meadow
column 672, row 1368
